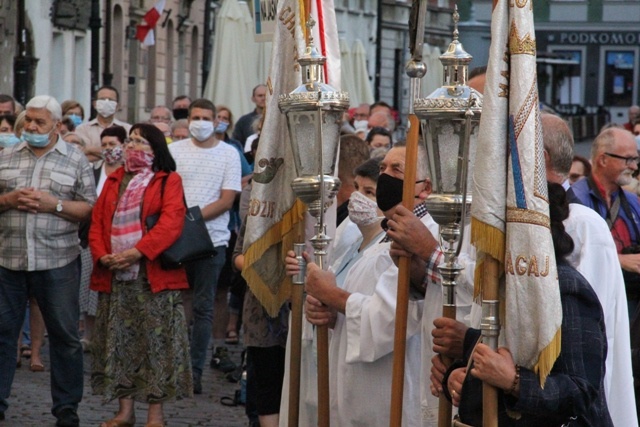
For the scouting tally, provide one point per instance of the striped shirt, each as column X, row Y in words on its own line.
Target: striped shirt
column 42, row 241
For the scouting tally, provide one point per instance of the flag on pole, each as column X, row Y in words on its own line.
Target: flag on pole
column 144, row 32
column 274, row 210
column 510, row 211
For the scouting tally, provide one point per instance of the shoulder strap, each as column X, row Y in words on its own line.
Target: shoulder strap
column 612, row 213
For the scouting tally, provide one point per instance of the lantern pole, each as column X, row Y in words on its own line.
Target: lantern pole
column 416, row 69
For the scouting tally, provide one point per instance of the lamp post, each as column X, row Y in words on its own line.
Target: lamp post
column 450, row 117
column 314, row 113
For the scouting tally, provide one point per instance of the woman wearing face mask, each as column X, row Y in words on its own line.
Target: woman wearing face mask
column 112, row 146
column 72, row 109
column 141, row 349
column 357, row 367
column 7, row 137
column 112, row 141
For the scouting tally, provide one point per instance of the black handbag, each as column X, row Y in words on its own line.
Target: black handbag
column 194, row 242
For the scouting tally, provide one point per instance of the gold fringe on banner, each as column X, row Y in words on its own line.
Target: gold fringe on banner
column 488, row 241
column 548, row 357
column 273, row 295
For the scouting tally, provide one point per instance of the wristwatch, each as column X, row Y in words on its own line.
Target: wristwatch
column 59, row 206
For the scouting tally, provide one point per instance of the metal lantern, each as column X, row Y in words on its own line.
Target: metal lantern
column 314, row 114
column 450, row 117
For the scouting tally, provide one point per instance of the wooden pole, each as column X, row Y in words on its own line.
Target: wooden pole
column 445, row 410
column 297, row 295
column 322, row 335
column 404, row 268
column 491, row 268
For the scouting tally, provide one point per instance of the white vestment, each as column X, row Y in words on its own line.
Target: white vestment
column 596, row 258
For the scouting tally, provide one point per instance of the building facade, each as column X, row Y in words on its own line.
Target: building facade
column 69, row 67
column 601, row 41
column 82, row 44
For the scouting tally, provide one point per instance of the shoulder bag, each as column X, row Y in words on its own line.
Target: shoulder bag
column 194, row 242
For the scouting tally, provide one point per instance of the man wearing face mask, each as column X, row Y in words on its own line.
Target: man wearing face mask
column 415, row 234
column 210, row 171
column 361, row 308
column 46, row 189
column 106, row 104
column 180, row 107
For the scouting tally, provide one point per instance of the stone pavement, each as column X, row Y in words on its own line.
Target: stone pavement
column 30, row 401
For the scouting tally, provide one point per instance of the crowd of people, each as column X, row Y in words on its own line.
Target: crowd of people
column 78, row 261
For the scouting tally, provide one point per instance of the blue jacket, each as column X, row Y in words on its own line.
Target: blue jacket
column 593, row 200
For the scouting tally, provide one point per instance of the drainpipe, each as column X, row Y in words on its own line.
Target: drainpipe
column 107, row 75
column 378, row 51
column 24, row 64
column 95, row 24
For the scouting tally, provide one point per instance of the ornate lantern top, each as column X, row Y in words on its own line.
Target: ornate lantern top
column 313, row 93
column 454, row 96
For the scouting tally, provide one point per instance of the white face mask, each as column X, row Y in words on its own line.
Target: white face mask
column 361, row 125
column 362, row 210
column 106, row 107
column 201, row 130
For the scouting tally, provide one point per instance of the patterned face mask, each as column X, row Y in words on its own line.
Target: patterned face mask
column 113, row 155
column 362, row 210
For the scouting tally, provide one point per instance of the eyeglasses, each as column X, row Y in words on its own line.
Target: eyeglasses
column 136, row 142
column 627, row 160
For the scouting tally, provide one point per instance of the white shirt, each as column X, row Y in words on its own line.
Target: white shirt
column 205, row 173
column 596, row 258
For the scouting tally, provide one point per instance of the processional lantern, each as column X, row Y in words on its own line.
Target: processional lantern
column 314, row 113
column 450, row 117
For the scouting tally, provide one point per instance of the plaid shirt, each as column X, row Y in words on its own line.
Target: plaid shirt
column 42, row 241
column 436, row 257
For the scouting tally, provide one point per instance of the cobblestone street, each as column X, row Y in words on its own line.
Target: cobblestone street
column 30, row 401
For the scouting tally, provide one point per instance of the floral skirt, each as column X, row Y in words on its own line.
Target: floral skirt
column 141, row 346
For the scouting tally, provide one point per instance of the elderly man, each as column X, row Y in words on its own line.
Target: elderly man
column 46, row 189
column 160, row 114
column 106, row 104
column 614, row 158
column 595, row 257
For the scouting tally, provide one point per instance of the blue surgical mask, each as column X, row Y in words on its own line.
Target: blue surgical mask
column 76, row 119
column 8, row 140
column 35, row 139
column 221, row 127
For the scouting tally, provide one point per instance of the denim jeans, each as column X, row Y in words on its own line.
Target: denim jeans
column 56, row 291
column 203, row 280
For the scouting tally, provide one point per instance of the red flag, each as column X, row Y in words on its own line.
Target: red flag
column 144, row 32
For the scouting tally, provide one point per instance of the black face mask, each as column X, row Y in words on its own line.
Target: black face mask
column 180, row 113
column 389, row 191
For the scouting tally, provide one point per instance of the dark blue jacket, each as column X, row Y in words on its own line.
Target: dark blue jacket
column 575, row 387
